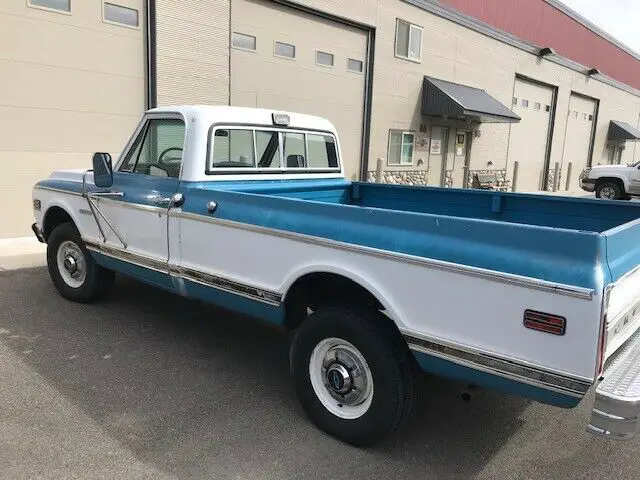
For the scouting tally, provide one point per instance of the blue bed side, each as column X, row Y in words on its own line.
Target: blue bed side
column 557, row 255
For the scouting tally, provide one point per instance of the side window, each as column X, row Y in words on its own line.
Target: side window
column 159, row 153
column 233, row 148
column 267, row 149
column 322, row 151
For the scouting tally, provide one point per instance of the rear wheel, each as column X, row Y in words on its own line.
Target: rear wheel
column 610, row 191
column 73, row 271
column 352, row 373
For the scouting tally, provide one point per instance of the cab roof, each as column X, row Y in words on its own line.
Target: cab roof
column 213, row 114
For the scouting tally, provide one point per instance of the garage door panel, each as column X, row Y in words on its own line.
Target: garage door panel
column 67, row 89
column 76, row 48
column 261, row 79
column 38, row 130
column 577, row 142
column 529, row 138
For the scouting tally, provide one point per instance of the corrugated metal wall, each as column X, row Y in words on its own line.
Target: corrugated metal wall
column 543, row 24
column 192, row 51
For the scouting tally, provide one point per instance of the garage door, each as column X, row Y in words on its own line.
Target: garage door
column 528, row 143
column 285, row 59
column 577, row 142
column 72, row 84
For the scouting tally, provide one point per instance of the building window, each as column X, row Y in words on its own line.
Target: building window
column 120, row 15
column 61, row 5
column 547, row 108
column 408, row 41
column 590, row 118
column 400, row 148
column 285, row 50
column 243, row 41
column 354, row 65
column 537, row 106
column 525, row 103
column 323, row 58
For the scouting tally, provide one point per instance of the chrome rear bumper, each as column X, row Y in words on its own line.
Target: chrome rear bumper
column 616, row 410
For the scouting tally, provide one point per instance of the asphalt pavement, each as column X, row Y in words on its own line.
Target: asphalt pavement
column 146, row 384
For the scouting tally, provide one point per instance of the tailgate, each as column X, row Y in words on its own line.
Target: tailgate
column 622, row 246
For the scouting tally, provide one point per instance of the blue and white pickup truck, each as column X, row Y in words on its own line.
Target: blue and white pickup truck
column 537, row 296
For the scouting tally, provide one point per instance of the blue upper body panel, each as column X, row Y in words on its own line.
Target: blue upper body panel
column 581, row 242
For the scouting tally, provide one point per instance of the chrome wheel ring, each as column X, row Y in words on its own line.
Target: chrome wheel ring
column 608, row 192
column 341, row 378
column 71, row 263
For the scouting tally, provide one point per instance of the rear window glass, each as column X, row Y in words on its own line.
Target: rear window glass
column 261, row 149
column 233, row 149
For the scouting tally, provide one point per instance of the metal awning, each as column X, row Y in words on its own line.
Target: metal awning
column 622, row 131
column 452, row 100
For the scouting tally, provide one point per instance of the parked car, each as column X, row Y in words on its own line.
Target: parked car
column 612, row 182
column 249, row 209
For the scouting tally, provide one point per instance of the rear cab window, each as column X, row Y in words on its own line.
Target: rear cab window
column 240, row 149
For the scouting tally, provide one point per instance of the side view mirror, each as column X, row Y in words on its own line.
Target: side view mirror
column 102, row 170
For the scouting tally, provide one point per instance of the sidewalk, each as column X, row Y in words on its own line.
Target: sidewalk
column 21, row 252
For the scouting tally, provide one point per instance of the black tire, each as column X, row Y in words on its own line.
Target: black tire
column 619, row 192
column 387, row 357
column 97, row 280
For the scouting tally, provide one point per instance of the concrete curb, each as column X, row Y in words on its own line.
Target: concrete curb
column 22, row 252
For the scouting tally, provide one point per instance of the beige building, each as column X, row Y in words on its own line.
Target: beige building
column 419, row 93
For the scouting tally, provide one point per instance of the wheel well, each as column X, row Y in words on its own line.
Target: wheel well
column 315, row 289
column 55, row 216
column 615, row 180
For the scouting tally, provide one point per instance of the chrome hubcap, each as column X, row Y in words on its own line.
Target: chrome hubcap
column 341, row 378
column 71, row 264
column 344, row 375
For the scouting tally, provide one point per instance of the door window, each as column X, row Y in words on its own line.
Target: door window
column 158, row 150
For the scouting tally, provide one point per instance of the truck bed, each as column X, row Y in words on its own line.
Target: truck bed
column 556, row 239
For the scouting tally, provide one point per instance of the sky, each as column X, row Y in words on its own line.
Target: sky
column 619, row 18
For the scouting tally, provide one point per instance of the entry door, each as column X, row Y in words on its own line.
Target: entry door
column 458, row 147
column 437, row 155
column 147, row 178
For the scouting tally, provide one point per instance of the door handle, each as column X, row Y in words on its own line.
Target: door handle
column 175, row 200
column 161, row 201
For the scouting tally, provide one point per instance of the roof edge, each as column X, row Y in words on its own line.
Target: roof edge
column 453, row 15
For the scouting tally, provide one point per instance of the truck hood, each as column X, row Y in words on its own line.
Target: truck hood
column 600, row 170
column 71, row 175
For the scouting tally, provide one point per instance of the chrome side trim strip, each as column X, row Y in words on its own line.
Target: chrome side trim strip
column 220, row 283
column 206, row 279
column 508, row 278
column 510, row 369
column 58, row 190
column 134, row 206
column 127, row 256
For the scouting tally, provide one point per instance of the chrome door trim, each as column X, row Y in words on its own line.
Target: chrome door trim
column 508, row 368
column 221, row 283
column 502, row 277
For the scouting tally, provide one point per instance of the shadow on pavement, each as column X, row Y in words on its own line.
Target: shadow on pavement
column 201, row 393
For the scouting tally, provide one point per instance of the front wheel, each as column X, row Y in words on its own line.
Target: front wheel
column 74, row 273
column 610, row 191
column 353, row 374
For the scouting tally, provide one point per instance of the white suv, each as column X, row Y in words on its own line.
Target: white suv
column 614, row 182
